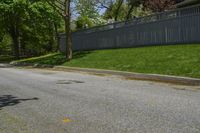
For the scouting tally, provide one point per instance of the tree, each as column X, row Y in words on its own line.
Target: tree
column 29, row 24
column 116, row 11
column 63, row 8
column 87, row 12
column 131, row 5
column 86, row 8
column 40, row 28
column 5, row 43
column 83, row 22
column 186, row 3
column 104, row 3
column 128, row 9
column 159, row 5
column 12, row 13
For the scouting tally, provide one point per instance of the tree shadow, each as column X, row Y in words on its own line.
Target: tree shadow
column 55, row 59
column 9, row 100
column 81, row 54
column 6, row 58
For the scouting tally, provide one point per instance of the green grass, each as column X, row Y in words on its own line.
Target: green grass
column 50, row 59
column 180, row 60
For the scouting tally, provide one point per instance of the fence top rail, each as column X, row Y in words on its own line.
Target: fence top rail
column 192, row 10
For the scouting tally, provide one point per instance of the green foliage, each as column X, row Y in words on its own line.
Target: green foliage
column 40, row 28
column 5, row 45
column 111, row 11
column 88, row 14
column 6, row 58
column 86, row 8
column 138, row 11
column 83, row 22
column 31, row 23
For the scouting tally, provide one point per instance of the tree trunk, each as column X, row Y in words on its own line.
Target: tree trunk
column 57, row 37
column 68, row 31
column 16, row 47
column 16, row 42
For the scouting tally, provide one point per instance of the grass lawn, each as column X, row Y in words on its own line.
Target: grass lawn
column 180, row 60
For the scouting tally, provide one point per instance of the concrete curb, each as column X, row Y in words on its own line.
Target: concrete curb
column 127, row 75
column 5, row 65
column 137, row 76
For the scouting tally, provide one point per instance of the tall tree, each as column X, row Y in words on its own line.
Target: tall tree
column 12, row 13
column 28, row 23
column 63, row 8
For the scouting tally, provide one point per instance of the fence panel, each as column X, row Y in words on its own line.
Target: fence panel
column 179, row 26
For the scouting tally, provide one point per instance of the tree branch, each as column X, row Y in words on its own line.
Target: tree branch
column 60, row 12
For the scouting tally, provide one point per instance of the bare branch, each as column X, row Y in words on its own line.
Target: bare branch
column 60, row 12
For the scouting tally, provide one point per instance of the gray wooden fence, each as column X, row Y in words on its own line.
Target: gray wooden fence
column 171, row 27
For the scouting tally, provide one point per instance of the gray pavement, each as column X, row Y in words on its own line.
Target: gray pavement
column 44, row 101
column 4, row 65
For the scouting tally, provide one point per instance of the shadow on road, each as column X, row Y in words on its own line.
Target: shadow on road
column 9, row 100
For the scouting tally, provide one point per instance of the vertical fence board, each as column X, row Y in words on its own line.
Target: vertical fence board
column 180, row 26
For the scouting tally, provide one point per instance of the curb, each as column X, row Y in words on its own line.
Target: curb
column 5, row 65
column 127, row 75
column 137, row 76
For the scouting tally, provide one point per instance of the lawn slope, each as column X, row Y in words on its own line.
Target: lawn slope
column 180, row 60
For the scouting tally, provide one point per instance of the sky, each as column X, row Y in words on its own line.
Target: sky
column 102, row 11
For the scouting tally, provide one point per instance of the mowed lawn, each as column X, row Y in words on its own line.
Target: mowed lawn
column 180, row 60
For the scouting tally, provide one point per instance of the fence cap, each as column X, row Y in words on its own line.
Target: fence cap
column 195, row 9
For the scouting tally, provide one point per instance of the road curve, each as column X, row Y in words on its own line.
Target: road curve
column 43, row 101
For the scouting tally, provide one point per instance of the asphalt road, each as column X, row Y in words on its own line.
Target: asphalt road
column 43, row 101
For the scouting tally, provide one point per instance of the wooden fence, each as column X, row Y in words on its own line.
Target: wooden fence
column 171, row 27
